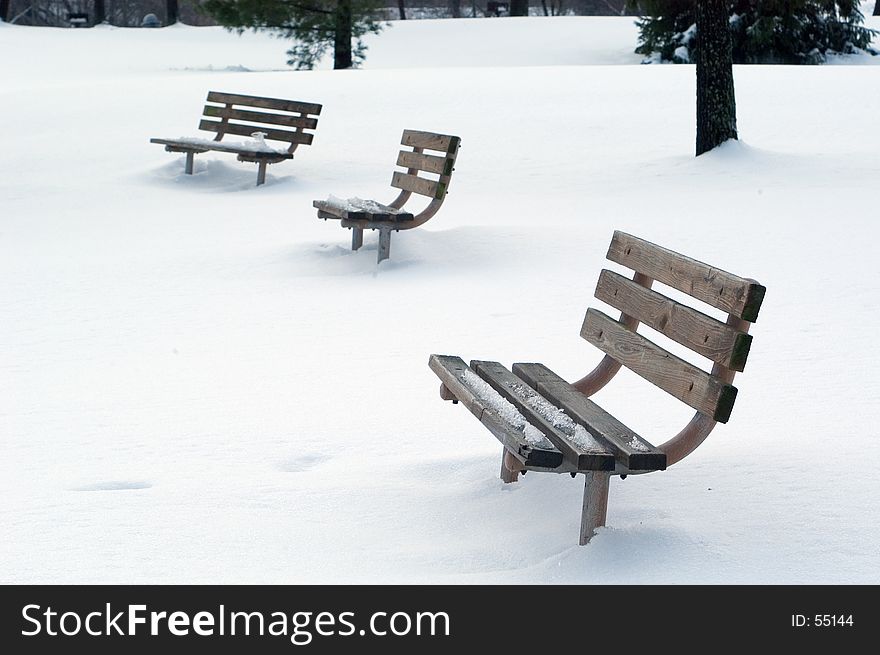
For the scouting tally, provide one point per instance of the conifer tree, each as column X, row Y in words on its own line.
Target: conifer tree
column 762, row 31
column 314, row 25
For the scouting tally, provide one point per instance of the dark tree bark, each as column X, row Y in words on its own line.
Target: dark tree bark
column 877, row 8
column 4, row 10
column 544, row 6
column 342, row 37
column 100, row 13
column 519, row 7
column 455, row 8
column 401, row 6
column 172, row 12
column 716, row 102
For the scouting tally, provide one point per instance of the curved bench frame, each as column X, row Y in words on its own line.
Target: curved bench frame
column 510, row 404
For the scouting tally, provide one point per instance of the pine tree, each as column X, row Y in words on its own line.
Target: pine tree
column 313, row 25
column 877, row 8
column 762, row 31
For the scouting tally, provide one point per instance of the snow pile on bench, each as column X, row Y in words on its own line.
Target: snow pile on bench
column 557, row 418
column 505, row 410
column 256, row 144
column 360, row 205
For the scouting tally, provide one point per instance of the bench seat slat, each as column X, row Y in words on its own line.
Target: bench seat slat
column 427, row 163
column 461, row 381
column 576, row 445
column 260, row 117
column 701, row 333
column 220, row 146
column 633, row 453
column 418, row 185
column 722, row 290
column 430, row 141
column 389, row 214
column 278, row 104
column 693, row 386
column 240, row 129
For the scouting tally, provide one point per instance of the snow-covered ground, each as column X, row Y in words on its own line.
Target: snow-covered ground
column 199, row 382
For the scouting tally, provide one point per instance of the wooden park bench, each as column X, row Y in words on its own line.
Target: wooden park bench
column 359, row 215
column 272, row 119
column 547, row 424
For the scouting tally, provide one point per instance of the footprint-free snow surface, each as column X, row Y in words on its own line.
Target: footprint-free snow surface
column 200, row 382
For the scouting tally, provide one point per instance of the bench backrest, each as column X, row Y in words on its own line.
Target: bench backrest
column 724, row 343
column 280, row 120
column 417, row 161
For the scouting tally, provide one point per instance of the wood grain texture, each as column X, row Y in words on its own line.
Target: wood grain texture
column 704, row 392
column 246, row 130
column 736, row 295
column 430, row 140
column 701, row 333
column 632, row 452
column 261, row 117
column 520, row 394
column 595, row 507
column 451, row 371
column 427, row 163
column 278, row 104
column 418, row 185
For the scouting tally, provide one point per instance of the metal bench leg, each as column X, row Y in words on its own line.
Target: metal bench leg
column 357, row 238
column 510, row 467
column 595, row 504
column 384, row 243
column 188, row 168
column 261, row 173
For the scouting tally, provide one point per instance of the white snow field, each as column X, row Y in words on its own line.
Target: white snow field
column 200, row 382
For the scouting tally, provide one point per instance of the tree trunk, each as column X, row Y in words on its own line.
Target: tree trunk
column 519, row 7
column 716, row 103
column 455, row 8
column 401, row 6
column 172, row 12
column 877, row 8
column 100, row 13
column 342, row 36
column 4, row 10
column 544, row 6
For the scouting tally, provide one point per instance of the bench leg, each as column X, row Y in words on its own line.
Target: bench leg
column 357, row 238
column 595, row 504
column 510, row 467
column 384, row 243
column 188, row 167
column 261, row 173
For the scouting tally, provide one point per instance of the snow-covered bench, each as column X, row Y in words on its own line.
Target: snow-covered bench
column 359, row 215
column 547, row 424
column 283, row 121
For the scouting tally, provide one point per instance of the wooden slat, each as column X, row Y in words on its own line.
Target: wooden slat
column 218, row 146
column 247, row 130
column 733, row 294
column 430, row 140
column 560, row 429
column 427, row 163
column 704, row 392
column 418, row 185
column 452, row 372
column 701, row 333
column 633, row 453
column 278, row 104
column 261, row 117
column 383, row 213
